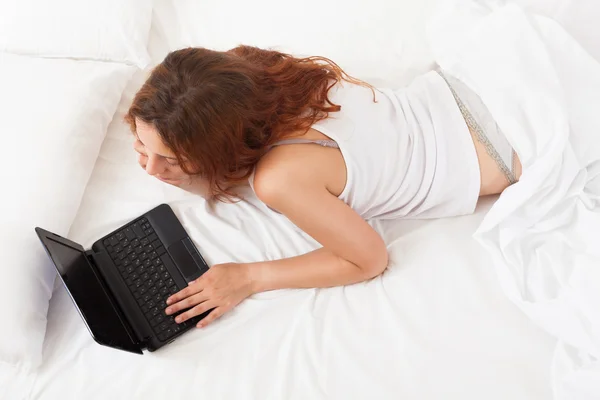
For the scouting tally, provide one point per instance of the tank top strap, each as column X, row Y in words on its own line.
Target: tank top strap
column 320, row 142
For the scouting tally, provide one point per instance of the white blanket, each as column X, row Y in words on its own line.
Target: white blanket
column 543, row 233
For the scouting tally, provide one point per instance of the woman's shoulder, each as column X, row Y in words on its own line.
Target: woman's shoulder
column 309, row 165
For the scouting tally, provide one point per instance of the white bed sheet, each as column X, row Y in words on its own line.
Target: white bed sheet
column 436, row 325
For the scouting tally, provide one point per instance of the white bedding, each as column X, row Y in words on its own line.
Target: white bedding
column 436, row 325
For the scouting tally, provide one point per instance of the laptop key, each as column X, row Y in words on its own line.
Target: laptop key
column 161, row 250
column 120, row 236
column 129, row 233
column 113, row 241
column 139, row 233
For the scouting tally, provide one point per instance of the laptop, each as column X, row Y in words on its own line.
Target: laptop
column 120, row 286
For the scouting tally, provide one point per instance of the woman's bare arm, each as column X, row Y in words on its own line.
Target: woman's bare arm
column 352, row 251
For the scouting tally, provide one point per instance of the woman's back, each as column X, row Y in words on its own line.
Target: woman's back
column 407, row 155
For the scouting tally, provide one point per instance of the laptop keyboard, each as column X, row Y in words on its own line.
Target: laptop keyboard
column 137, row 252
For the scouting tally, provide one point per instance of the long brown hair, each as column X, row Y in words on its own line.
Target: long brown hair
column 220, row 111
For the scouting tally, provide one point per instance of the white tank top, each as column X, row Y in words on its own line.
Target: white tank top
column 409, row 155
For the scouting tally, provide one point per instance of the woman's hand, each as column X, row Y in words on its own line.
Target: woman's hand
column 221, row 288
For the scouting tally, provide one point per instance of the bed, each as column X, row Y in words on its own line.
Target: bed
column 438, row 324
column 435, row 325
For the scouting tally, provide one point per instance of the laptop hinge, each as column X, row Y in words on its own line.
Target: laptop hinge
column 95, row 260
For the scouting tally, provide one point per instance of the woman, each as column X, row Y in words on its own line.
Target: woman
column 322, row 148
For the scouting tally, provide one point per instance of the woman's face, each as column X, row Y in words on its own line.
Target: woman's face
column 154, row 157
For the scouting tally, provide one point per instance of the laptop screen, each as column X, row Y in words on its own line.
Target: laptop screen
column 89, row 295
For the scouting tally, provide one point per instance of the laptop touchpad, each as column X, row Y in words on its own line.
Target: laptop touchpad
column 184, row 261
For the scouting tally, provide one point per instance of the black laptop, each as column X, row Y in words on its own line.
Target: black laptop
column 120, row 286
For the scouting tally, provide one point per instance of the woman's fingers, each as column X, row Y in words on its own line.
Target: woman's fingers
column 197, row 310
column 191, row 289
column 186, row 303
column 214, row 314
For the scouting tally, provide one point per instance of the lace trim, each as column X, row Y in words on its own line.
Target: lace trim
column 481, row 136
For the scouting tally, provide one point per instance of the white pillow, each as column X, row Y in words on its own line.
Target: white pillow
column 380, row 41
column 111, row 30
column 54, row 115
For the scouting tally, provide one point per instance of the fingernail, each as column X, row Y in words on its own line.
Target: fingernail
column 168, row 310
column 178, row 319
column 199, row 325
column 169, row 300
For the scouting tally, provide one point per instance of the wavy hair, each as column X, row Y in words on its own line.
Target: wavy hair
column 219, row 112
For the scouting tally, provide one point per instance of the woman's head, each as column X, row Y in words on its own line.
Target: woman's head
column 215, row 114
